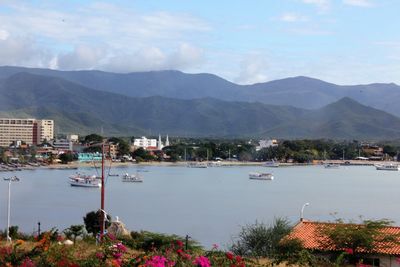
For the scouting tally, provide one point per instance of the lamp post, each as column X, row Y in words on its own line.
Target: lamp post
column 302, row 210
column 104, row 216
column 10, row 180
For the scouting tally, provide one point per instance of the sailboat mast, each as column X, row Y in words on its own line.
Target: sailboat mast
column 102, row 216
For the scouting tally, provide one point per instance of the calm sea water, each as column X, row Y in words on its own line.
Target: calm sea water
column 210, row 205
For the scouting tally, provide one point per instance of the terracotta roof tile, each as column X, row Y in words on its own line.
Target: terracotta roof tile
column 310, row 235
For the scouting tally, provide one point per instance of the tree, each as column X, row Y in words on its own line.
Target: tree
column 74, row 231
column 260, row 240
column 357, row 238
column 93, row 138
column 66, row 157
column 92, row 222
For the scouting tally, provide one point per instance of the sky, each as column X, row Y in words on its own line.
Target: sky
column 243, row 41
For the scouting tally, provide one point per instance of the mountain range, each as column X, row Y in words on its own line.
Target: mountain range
column 77, row 108
column 301, row 92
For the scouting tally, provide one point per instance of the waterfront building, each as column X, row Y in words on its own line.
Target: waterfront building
column 29, row 131
column 150, row 144
column 89, row 157
column 266, row 144
column 144, row 143
column 73, row 138
column 62, row 144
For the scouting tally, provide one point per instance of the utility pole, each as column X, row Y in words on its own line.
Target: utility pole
column 102, row 219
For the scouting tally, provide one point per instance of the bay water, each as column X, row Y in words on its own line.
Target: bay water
column 210, row 205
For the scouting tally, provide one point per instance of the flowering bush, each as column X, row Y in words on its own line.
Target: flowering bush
column 49, row 251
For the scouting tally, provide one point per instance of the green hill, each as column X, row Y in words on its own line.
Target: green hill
column 78, row 109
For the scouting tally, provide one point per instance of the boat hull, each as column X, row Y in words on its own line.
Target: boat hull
column 261, row 176
column 79, row 184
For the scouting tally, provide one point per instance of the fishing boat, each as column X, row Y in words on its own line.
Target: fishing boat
column 83, row 176
column 84, row 182
column 387, row 167
column 197, row 164
column 133, row 178
column 331, row 166
column 271, row 163
column 261, row 176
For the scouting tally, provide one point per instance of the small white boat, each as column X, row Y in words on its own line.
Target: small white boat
column 214, row 164
column 272, row 163
column 85, row 182
column 197, row 164
column 133, row 178
column 83, row 176
column 261, row 176
column 387, row 167
column 331, row 166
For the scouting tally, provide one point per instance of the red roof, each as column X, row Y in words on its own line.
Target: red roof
column 311, row 236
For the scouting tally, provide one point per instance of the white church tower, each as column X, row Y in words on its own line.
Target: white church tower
column 167, row 141
column 159, row 143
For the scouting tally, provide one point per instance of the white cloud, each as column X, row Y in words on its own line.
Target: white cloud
column 359, row 3
column 4, row 35
column 291, row 17
column 82, row 57
column 322, row 5
column 99, row 35
column 185, row 56
column 253, row 69
column 310, row 31
column 22, row 51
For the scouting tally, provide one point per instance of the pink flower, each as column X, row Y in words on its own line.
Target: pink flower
column 202, row 261
column 156, row 261
column 349, row 251
column 179, row 243
column 121, row 247
column 27, row 263
column 229, row 255
column 215, row 246
column 99, row 255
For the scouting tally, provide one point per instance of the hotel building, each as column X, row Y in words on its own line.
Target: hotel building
column 30, row 131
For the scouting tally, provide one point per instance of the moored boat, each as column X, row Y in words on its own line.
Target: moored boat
column 85, row 182
column 133, row 178
column 331, row 166
column 387, row 167
column 83, row 176
column 261, row 176
column 197, row 164
column 271, row 163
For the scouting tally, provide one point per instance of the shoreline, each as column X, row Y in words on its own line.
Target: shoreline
column 76, row 165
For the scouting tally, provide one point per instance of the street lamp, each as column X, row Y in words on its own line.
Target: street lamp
column 10, row 180
column 104, row 220
column 302, row 210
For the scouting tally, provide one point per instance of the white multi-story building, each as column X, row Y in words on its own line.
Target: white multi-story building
column 266, row 143
column 29, row 131
column 144, row 142
column 150, row 144
column 45, row 130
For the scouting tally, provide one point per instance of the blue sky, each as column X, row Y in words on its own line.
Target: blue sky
column 340, row 41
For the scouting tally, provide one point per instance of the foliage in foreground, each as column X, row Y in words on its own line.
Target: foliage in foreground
column 46, row 251
column 260, row 240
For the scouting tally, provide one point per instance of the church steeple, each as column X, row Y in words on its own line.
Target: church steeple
column 167, row 141
column 159, row 143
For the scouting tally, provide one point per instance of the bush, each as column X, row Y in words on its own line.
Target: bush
column 149, row 241
column 260, row 240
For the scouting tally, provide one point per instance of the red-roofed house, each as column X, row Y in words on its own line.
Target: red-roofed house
column 384, row 254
